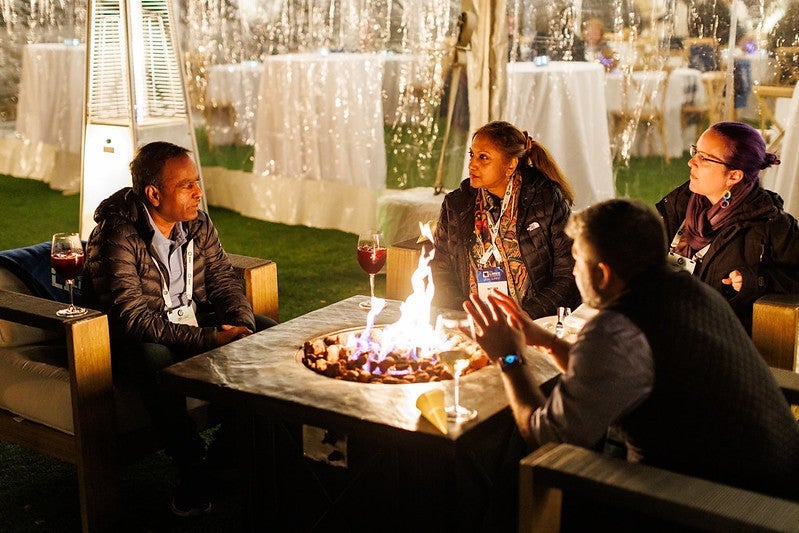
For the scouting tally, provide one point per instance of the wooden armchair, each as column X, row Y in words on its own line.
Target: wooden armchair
column 558, row 482
column 770, row 127
column 402, row 259
column 775, row 330
column 643, row 101
column 637, row 496
column 94, row 402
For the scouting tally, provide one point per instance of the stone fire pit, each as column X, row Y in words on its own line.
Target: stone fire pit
column 334, row 356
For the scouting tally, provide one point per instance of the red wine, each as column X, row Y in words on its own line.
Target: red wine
column 371, row 259
column 67, row 264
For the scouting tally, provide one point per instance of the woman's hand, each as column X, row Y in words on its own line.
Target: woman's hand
column 735, row 279
column 497, row 333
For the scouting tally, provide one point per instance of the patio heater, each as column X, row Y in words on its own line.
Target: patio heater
column 135, row 94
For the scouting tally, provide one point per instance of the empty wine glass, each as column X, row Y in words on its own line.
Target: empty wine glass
column 371, row 257
column 66, row 258
column 456, row 328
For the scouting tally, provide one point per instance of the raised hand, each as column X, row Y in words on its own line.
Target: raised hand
column 735, row 279
column 495, row 332
column 534, row 334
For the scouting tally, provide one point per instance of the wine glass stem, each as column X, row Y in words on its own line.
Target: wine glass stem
column 457, row 392
column 69, row 289
column 372, row 285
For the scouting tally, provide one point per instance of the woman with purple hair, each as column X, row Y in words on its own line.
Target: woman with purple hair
column 727, row 229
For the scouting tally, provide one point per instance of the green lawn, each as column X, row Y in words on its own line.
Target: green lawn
column 315, row 266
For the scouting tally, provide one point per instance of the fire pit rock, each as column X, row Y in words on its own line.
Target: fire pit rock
column 334, row 356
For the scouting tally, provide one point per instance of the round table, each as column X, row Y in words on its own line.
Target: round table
column 783, row 180
column 234, row 85
column 51, row 88
column 562, row 106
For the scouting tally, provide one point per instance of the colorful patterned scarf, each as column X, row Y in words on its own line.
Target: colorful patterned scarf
column 507, row 242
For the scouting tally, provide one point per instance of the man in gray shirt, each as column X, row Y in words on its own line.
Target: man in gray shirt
column 665, row 362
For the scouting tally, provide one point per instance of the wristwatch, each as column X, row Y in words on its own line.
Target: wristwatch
column 508, row 361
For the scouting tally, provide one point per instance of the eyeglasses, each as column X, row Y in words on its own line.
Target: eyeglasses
column 704, row 157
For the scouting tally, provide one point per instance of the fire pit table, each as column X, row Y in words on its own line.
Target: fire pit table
column 329, row 454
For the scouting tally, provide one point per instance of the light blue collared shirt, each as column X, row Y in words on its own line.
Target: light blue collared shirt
column 168, row 252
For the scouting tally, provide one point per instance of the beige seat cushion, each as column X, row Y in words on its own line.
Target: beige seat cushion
column 13, row 334
column 34, row 380
column 33, row 387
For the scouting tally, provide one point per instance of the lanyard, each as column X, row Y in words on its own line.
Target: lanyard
column 189, row 277
column 676, row 240
column 493, row 225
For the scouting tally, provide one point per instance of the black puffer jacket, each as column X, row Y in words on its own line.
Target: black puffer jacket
column 127, row 284
column 760, row 240
column 545, row 248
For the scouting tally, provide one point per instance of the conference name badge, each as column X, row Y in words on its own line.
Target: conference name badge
column 183, row 315
column 491, row 279
column 682, row 263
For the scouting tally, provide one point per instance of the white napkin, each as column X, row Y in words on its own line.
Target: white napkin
column 577, row 319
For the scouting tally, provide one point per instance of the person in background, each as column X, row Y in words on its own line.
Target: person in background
column 725, row 228
column 664, row 363
column 596, row 47
column 158, row 270
column 503, row 228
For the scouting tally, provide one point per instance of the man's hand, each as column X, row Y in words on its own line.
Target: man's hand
column 534, row 334
column 735, row 279
column 229, row 333
column 496, row 333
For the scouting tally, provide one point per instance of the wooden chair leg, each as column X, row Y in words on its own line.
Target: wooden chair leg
column 89, row 358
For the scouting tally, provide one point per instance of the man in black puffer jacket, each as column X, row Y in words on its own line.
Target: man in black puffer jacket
column 158, row 270
column 665, row 361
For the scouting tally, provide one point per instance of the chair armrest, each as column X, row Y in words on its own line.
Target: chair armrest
column 773, row 91
column 554, row 472
column 775, row 329
column 788, row 380
column 402, row 260
column 260, row 283
column 89, row 364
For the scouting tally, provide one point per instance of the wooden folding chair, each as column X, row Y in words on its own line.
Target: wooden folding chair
column 643, row 101
column 770, row 127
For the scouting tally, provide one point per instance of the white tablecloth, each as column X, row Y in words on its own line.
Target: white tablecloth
column 51, row 95
column 784, row 179
column 684, row 87
column 320, row 117
column 562, row 105
column 400, row 73
column 47, row 142
column 234, row 85
column 320, row 157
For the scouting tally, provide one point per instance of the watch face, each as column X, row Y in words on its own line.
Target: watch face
column 511, row 359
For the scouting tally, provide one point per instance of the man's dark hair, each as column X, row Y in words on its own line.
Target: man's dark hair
column 146, row 167
column 626, row 235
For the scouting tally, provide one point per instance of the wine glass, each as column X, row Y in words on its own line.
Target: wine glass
column 66, row 258
column 371, row 257
column 451, row 327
